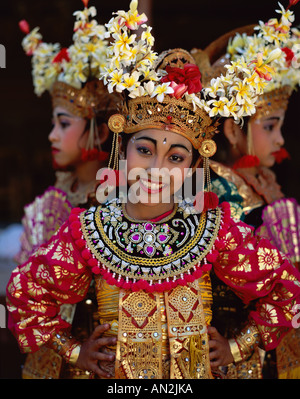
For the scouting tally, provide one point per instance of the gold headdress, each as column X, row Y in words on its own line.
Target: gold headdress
column 71, row 75
column 169, row 112
column 165, row 92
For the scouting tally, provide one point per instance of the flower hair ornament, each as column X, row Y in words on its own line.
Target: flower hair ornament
column 273, row 41
column 165, row 92
column 71, row 75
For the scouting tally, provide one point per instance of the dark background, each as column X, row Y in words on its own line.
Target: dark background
column 25, row 120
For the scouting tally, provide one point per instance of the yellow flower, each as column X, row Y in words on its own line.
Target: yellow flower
column 243, row 91
column 161, row 90
column 129, row 82
column 148, row 74
column 122, row 42
column 78, row 73
column 235, row 43
column 149, row 87
column 146, row 35
column 148, row 59
column 114, row 79
column 257, row 83
column 232, row 107
column 287, row 16
column 247, row 108
column 132, row 18
column 219, row 107
column 113, row 25
column 216, row 88
column 238, row 66
column 91, row 47
column 137, row 92
column 31, row 41
column 262, row 69
column 296, row 32
column 85, row 14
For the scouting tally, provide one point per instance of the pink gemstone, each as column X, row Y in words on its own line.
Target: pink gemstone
column 162, row 237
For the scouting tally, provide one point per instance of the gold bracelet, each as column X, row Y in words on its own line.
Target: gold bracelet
column 235, row 350
column 66, row 346
column 73, row 354
column 247, row 340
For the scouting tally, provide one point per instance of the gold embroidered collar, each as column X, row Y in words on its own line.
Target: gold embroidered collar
column 148, row 251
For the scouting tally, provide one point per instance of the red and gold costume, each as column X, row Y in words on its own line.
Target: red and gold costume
column 258, row 199
column 247, row 193
column 159, row 307
column 153, row 276
column 87, row 99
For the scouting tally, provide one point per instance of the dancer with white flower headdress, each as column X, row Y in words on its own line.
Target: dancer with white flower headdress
column 243, row 176
column 150, row 255
column 80, row 146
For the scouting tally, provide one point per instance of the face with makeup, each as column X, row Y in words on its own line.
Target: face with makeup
column 267, row 137
column 157, row 164
column 67, row 137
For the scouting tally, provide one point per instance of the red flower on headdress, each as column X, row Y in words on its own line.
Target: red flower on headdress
column 62, row 55
column 179, row 89
column 186, row 79
column 24, row 26
column 289, row 55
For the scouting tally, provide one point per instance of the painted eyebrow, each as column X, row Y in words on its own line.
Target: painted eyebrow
column 147, row 138
column 155, row 143
column 179, row 145
column 276, row 118
column 63, row 114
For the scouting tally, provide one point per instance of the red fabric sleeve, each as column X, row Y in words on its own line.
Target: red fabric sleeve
column 54, row 275
column 256, row 271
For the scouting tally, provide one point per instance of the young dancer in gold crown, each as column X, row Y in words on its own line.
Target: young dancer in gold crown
column 243, row 176
column 81, row 107
column 151, row 255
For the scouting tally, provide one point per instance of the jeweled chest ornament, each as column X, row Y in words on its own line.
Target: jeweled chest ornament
column 149, row 239
column 143, row 251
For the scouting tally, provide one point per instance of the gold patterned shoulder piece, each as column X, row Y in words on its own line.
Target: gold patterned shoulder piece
column 147, row 255
column 251, row 199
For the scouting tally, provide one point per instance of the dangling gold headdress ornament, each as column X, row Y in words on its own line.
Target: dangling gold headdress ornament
column 71, row 75
column 166, row 92
column 273, row 40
